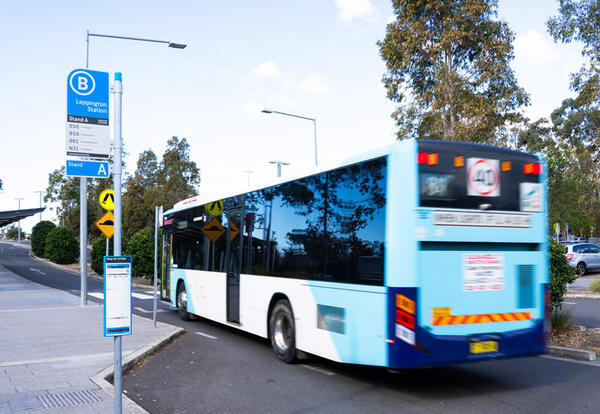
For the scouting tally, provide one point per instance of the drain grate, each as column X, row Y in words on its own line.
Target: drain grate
column 69, row 399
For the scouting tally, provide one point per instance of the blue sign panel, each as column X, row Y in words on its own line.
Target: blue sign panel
column 93, row 169
column 87, row 94
column 117, row 295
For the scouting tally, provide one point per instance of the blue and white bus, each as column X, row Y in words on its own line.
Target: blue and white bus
column 418, row 254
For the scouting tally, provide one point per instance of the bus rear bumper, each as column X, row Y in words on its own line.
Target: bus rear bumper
column 432, row 350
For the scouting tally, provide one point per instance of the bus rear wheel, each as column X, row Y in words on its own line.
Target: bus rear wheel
column 182, row 303
column 282, row 331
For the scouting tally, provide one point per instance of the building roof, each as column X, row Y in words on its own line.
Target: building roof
column 8, row 217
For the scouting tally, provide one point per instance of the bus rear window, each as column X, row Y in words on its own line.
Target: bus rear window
column 472, row 176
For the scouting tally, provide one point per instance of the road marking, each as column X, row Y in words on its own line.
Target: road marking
column 96, row 295
column 46, row 309
column 206, row 335
column 147, row 311
column 320, row 370
column 141, row 296
column 569, row 303
column 575, row 361
column 33, row 269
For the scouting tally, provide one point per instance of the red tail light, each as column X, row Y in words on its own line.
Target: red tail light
column 422, row 158
column 531, row 168
column 570, row 256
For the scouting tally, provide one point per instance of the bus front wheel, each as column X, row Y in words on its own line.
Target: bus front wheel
column 182, row 302
column 282, row 331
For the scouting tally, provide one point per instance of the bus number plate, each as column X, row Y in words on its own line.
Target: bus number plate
column 483, row 347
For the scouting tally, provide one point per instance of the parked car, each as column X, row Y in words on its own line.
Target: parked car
column 583, row 257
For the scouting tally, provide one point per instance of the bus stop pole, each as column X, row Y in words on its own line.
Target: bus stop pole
column 118, row 92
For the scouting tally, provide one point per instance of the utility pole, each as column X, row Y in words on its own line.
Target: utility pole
column 19, row 199
column 41, row 192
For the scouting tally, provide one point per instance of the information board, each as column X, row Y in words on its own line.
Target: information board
column 117, row 295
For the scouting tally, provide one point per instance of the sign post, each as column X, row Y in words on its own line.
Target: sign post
column 87, row 136
column 157, row 223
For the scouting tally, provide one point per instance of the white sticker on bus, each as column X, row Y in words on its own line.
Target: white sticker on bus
column 483, row 271
column 483, row 177
column 481, row 219
column 531, row 196
column 405, row 334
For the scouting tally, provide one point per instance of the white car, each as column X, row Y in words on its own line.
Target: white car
column 583, row 257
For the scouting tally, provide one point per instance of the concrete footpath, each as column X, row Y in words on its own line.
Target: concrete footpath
column 53, row 356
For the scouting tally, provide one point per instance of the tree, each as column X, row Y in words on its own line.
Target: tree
column 141, row 249
column 561, row 273
column 448, row 70
column 579, row 20
column 39, row 232
column 98, row 252
column 178, row 176
column 12, row 233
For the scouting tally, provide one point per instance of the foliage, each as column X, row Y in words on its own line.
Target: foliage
column 561, row 273
column 448, row 69
column 578, row 20
column 175, row 178
column 61, row 245
column 562, row 318
column 141, row 249
column 12, row 233
column 594, row 286
column 98, row 252
column 38, row 236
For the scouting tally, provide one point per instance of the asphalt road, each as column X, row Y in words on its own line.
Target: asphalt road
column 215, row 369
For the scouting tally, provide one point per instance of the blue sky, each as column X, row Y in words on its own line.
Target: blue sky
column 316, row 58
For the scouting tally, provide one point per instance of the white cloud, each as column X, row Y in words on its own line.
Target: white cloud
column 267, row 70
column 535, row 49
column 316, row 85
column 252, row 108
column 351, row 9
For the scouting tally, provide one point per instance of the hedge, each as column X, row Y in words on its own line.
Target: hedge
column 61, row 246
column 38, row 236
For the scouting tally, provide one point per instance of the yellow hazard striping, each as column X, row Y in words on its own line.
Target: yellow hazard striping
column 484, row 318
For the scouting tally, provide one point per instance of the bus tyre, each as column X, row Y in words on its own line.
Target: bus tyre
column 581, row 268
column 182, row 303
column 282, row 331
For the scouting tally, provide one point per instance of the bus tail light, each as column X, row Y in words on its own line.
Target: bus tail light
column 432, row 159
column 459, row 161
column 429, row 159
column 422, row 158
column 570, row 256
column 405, row 319
column 532, row 168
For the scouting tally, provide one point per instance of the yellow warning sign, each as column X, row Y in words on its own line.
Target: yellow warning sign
column 107, row 199
column 213, row 230
column 107, row 224
column 233, row 231
column 215, row 208
column 441, row 312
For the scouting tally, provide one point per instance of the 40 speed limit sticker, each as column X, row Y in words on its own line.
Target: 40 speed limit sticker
column 483, row 177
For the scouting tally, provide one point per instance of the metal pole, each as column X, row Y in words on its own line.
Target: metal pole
column 83, row 239
column 87, row 50
column 41, row 192
column 107, row 246
column 118, row 91
column 315, row 127
column 156, row 211
column 19, row 232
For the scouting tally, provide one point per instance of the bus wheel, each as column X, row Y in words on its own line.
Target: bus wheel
column 581, row 268
column 182, row 303
column 282, row 331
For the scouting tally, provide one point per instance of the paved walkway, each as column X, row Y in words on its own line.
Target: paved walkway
column 50, row 347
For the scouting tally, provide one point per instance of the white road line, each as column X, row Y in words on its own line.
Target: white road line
column 96, row 295
column 33, row 269
column 141, row 296
column 320, row 370
column 569, row 303
column 206, row 335
column 148, row 311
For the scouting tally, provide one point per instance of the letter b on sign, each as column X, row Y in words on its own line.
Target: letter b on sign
column 82, row 83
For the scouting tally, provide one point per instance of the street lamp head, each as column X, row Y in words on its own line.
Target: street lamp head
column 175, row 45
column 267, row 111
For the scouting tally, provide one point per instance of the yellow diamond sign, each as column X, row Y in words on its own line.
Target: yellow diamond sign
column 107, row 224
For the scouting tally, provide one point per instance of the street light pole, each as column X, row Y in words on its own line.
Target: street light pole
column 314, row 120
column 117, row 171
column 279, row 164
column 19, row 233
column 41, row 192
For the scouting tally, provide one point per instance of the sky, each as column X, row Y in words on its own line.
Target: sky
column 315, row 58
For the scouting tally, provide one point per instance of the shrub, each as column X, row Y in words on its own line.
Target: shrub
column 38, row 236
column 561, row 274
column 12, row 233
column 561, row 318
column 61, row 245
column 141, row 249
column 98, row 252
